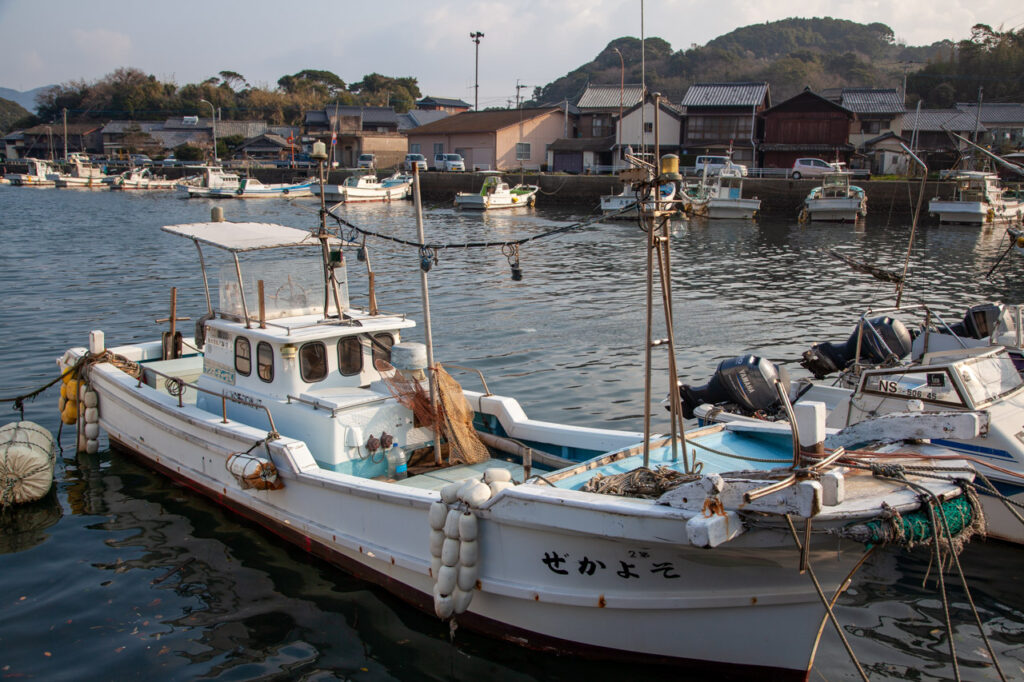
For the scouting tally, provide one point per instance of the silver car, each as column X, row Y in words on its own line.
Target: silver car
column 417, row 160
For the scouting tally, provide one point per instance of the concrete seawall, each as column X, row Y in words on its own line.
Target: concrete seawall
column 779, row 197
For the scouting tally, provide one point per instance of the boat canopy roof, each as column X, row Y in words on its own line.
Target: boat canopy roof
column 239, row 237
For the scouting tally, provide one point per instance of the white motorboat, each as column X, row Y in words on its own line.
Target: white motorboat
column 210, row 179
column 978, row 199
column 835, row 200
column 307, row 418
column 366, row 187
column 142, row 179
column 38, row 170
column 721, row 196
column 623, row 205
column 952, row 374
column 83, row 174
column 495, row 193
column 252, row 188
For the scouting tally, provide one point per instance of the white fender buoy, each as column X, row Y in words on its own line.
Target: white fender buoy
column 495, row 474
column 461, row 600
column 497, row 486
column 437, row 514
column 91, row 399
column 92, row 415
column 476, row 494
column 27, row 457
column 446, row 578
column 443, row 605
column 467, row 578
column 469, row 552
column 92, row 430
column 435, row 566
column 451, row 524
column 92, row 446
column 467, row 526
column 450, row 552
column 436, row 543
column 450, row 492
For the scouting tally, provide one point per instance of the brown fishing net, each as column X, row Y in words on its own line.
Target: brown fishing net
column 453, row 417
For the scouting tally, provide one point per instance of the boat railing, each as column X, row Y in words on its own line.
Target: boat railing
column 474, row 370
column 176, row 387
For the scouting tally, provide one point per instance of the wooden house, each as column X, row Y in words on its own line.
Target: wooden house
column 806, row 125
column 47, row 141
column 928, row 132
column 356, row 130
column 879, row 111
column 1003, row 121
column 446, row 104
column 498, row 140
column 724, row 116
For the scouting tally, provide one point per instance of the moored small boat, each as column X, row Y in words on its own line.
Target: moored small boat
column 835, row 200
column 721, row 196
column 495, row 193
column 366, row 187
column 36, row 176
column 252, row 188
column 142, row 179
column 978, row 199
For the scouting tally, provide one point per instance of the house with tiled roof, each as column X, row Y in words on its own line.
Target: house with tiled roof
column 723, row 116
column 449, row 105
column 47, row 141
column 599, row 106
column 414, row 118
column 928, row 134
column 806, row 125
column 351, row 130
column 498, row 139
column 1003, row 121
column 878, row 111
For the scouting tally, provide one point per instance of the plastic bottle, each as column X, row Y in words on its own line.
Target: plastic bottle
column 397, row 466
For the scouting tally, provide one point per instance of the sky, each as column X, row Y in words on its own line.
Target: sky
column 526, row 42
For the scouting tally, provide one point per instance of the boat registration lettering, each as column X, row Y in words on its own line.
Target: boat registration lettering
column 638, row 563
column 218, row 371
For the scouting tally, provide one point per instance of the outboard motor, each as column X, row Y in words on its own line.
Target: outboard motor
column 889, row 338
column 978, row 323
column 748, row 381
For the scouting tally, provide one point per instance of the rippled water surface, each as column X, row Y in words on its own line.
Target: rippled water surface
column 119, row 574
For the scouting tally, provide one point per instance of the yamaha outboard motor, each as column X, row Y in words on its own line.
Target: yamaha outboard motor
column 889, row 338
column 978, row 323
column 747, row 381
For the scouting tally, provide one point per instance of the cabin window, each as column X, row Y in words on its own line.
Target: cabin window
column 383, row 341
column 522, row 151
column 265, row 361
column 350, row 356
column 313, row 362
column 243, row 356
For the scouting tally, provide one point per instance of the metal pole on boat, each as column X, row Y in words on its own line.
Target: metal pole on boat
column 913, row 226
column 648, row 228
column 320, row 154
column 426, row 308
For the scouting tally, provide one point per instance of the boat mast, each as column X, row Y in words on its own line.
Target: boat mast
column 330, row 282
column 427, row 336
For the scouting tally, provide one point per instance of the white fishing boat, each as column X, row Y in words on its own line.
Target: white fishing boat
column 978, row 199
column 305, row 414
column 209, row 179
column 83, row 174
column 252, row 188
column 951, row 374
column 366, row 187
column 495, row 193
column 142, row 179
column 721, row 196
column 623, row 205
column 38, row 170
column 835, row 200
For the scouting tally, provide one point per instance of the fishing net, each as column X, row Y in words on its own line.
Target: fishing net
column 453, row 416
column 640, row 482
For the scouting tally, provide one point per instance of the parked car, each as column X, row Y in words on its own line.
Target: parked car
column 449, row 162
column 812, row 168
column 140, row 160
column 169, row 161
column 715, row 165
column 417, row 160
column 366, row 161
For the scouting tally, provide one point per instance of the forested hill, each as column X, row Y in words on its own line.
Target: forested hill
column 789, row 54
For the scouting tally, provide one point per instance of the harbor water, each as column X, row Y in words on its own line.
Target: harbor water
column 119, row 574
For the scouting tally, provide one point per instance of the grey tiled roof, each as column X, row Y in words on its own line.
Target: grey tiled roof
column 939, row 119
column 443, row 102
column 872, row 101
column 607, row 96
column 725, row 94
column 995, row 113
column 369, row 114
column 115, row 127
column 419, row 117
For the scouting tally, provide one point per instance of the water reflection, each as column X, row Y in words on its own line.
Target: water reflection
column 24, row 526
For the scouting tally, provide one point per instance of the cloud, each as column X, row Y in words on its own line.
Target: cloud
column 102, row 45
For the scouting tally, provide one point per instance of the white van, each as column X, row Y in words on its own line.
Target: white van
column 449, row 162
column 716, row 163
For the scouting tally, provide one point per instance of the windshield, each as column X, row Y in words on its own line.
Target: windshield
column 990, row 377
column 454, row 157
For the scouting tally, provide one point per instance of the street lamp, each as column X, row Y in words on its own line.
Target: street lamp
column 622, row 86
column 213, row 118
column 475, row 37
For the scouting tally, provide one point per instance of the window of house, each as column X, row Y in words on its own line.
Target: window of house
column 439, row 148
column 522, row 151
column 243, row 356
column 717, row 128
column 599, row 126
column 414, row 148
column 871, row 127
column 382, row 349
column 350, row 356
column 265, row 361
column 648, row 126
column 313, row 362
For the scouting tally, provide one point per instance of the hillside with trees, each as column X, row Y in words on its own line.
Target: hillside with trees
column 129, row 93
column 12, row 115
column 789, row 54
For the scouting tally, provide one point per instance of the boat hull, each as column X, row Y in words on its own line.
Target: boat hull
column 733, row 208
column 974, row 212
column 559, row 569
column 835, row 210
column 361, row 195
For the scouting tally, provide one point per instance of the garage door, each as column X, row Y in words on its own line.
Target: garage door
column 568, row 162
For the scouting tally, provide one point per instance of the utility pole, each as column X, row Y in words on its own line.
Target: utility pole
column 65, row 134
column 213, row 114
column 518, row 88
column 622, row 87
column 475, row 36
